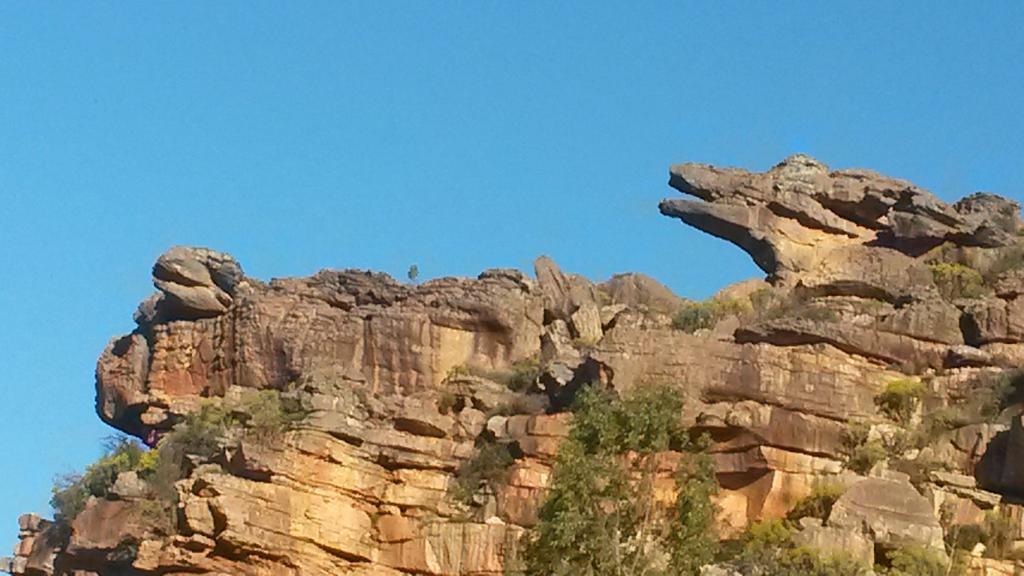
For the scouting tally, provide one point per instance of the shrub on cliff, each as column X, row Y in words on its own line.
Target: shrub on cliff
column 817, row 504
column 767, row 549
column 521, row 376
column 956, row 281
column 487, row 467
column 1007, row 390
column 600, row 515
column 1010, row 258
column 914, row 561
column 267, row 414
column 71, row 492
column 695, row 316
column 262, row 416
column 860, row 451
column 900, row 399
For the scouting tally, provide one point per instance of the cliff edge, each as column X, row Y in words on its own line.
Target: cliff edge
column 380, row 393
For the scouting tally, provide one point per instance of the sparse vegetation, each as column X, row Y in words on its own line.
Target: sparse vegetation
column 600, row 515
column 989, row 396
column 861, row 451
column 998, row 532
column 767, row 548
column 201, row 434
column 72, row 492
column 1011, row 258
column 695, row 316
column 1008, row 390
column 267, row 414
column 519, row 377
column 521, row 404
column 262, row 416
column 769, row 304
column 938, row 422
column 914, row 561
column 956, row 281
column 919, row 469
column 964, row 536
column 897, row 442
column 449, row 402
column 488, row 467
column 763, row 305
column 522, row 375
column 817, row 504
column 900, row 399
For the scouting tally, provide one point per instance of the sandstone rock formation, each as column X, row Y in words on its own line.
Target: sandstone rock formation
column 871, row 281
column 791, row 218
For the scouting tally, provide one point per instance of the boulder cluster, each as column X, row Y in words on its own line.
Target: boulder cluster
column 879, row 356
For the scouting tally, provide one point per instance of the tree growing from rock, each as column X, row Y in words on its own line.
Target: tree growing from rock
column 602, row 515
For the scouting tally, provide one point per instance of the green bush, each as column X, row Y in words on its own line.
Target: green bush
column 900, row 399
column 897, row 442
column 449, row 402
column 987, row 397
column 860, row 452
column 808, row 561
column 457, row 372
column 914, row 561
column 262, row 415
column 600, row 516
column 817, row 504
column 964, row 536
column 695, row 316
column 767, row 549
column 266, row 414
column 523, row 375
column 488, row 467
column 71, row 492
column 956, row 281
column 201, row 433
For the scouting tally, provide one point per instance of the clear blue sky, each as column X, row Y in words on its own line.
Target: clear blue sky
column 458, row 136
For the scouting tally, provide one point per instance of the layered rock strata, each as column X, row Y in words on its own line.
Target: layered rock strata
column 401, row 382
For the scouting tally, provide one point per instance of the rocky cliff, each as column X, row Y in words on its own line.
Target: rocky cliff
column 879, row 354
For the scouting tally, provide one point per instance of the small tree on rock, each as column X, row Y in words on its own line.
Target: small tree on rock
column 602, row 516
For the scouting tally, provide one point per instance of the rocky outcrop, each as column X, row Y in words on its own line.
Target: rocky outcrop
column 401, row 385
column 891, row 511
column 193, row 283
column 792, row 217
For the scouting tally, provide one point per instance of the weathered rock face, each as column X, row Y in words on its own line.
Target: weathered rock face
column 387, row 337
column 791, row 218
column 400, row 383
column 891, row 511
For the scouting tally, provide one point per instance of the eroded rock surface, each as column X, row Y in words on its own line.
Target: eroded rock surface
column 401, row 383
column 792, row 217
